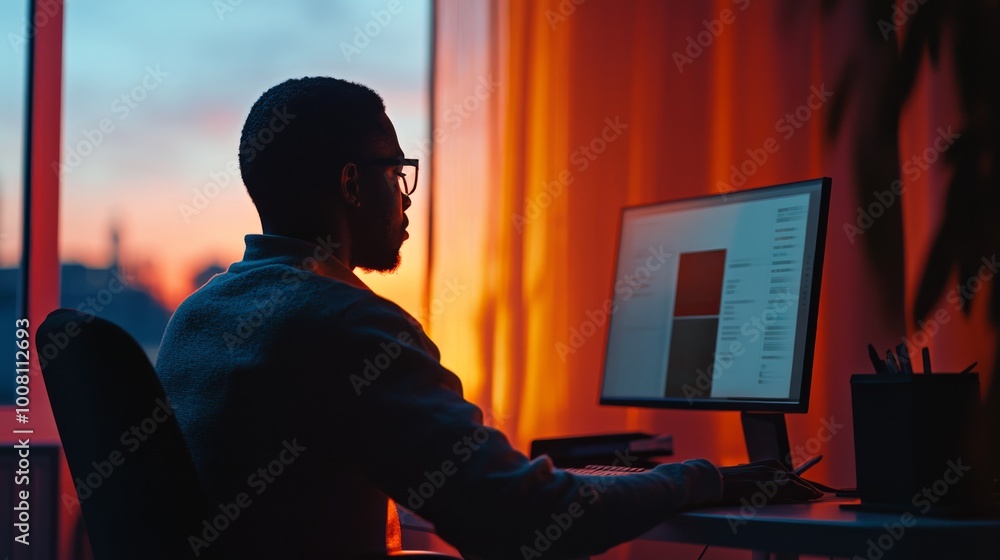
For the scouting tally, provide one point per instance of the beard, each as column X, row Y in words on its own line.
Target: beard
column 384, row 266
column 379, row 250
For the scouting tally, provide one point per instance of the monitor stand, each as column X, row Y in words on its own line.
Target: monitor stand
column 767, row 436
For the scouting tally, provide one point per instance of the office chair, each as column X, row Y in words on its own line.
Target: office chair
column 140, row 499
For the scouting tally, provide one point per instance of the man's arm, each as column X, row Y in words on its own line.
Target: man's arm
column 428, row 449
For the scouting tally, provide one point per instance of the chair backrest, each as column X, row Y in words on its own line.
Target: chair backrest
column 137, row 485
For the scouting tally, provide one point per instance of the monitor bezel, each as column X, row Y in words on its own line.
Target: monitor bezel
column 801, row 404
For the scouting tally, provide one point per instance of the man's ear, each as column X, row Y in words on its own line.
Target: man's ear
column 349, row 186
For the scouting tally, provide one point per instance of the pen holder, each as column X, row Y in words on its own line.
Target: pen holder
column 911, row 437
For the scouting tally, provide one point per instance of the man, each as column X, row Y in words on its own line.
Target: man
column 308, row 401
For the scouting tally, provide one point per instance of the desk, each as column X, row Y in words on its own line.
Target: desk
column 821, row 528
column 824, row 528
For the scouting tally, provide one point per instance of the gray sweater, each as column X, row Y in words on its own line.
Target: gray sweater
column 307, row 401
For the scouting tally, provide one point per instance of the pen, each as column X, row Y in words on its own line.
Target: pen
column 876, row 361
column 807, row 465
column 903, row 354
column 925, row 352
column 968, row 369
column 891, row 362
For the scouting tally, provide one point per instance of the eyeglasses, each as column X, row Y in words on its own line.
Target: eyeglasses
column 406, row 176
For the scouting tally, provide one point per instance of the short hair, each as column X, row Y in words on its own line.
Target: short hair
column 299, row 131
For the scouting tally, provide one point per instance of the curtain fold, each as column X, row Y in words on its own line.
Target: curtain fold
column 603, row 104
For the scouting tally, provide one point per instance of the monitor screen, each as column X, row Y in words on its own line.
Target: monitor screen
column 714, row 301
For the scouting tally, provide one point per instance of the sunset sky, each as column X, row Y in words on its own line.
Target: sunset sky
column 171, row 84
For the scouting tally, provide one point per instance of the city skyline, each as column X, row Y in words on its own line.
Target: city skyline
column 150, row 138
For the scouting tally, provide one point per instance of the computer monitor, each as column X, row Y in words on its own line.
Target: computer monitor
column 714, row 301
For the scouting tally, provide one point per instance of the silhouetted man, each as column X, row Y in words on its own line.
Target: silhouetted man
column 307, row 401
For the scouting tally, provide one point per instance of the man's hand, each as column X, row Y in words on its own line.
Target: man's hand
column 770, row 479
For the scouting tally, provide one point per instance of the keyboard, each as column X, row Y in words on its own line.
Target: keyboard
column 605, row 470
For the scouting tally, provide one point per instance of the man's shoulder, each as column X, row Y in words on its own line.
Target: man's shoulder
column 284, row 290
column 276, row 300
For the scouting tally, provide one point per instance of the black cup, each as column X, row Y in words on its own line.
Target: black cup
column 911, row 440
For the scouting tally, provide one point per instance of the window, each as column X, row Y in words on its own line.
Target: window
column 13, row 61
column 152, row 204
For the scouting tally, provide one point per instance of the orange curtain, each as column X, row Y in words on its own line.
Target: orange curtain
column 595, row 105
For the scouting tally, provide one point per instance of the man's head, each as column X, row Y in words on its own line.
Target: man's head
column 319, row 158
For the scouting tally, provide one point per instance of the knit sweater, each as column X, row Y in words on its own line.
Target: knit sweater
column 307, row 401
